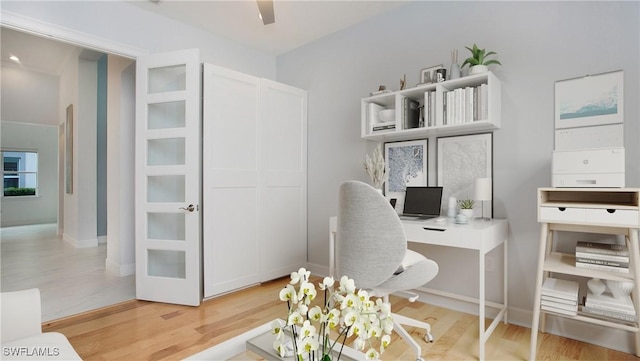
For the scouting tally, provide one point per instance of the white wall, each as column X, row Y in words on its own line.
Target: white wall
column 538, row 43
column 121, row 22
column 42, row 208
column 120, row 166
column 29, row 97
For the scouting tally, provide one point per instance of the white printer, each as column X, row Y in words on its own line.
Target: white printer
column 588, row 168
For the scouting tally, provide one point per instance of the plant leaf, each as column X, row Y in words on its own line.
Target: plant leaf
column 492, row 61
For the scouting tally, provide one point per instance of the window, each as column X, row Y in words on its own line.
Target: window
column 20, row 173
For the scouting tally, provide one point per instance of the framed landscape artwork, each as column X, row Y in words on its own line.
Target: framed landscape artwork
column 405, row 165
column 461, row 160
column 590, row 100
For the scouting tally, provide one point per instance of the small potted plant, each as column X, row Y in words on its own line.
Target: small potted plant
column 466, row 207
column 478, row 60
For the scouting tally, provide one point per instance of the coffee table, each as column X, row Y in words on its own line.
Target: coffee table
column 259, row 341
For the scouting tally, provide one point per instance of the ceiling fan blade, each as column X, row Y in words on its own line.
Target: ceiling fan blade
column 266, row 11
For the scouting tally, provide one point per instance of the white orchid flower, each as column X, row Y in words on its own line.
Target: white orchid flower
column 307, row 329
column 302, row 309
column 351, row 301
column 357, row 328
column 307, row 292
column 372, row 354
column 387, row 325
column 359, row 344
column 333, row 318
column 327, row 282
column 307, row 345
column 315, row 314
column 350, row 318
column 347, row 285
column 295, row 318
column 276, row 328
column 384, row 342
column 384, row 307
column 363, row 295
column 279, row 347
column 301, row 276
column 374, row 332
column 288, row 294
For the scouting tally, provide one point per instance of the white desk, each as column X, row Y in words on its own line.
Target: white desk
column 478, row 235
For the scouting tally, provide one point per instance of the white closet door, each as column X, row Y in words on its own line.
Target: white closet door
column 283, row 180
column 168, row 178
column 230, row 183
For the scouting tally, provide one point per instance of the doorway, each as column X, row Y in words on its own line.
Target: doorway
column 82, row 276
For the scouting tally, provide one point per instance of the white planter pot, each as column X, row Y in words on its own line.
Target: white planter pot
column 468, row 213
column 479, row 69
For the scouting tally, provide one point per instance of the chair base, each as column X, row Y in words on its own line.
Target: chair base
column 399, row 320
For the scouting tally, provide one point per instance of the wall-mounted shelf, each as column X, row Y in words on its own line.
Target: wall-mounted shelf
column 477, row 110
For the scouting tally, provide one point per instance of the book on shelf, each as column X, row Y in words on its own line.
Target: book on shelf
column 600, row 256
column 559, row 310
column 602, row 262
column 384, row 126
column 602, row 268
column 606, row 301
column 560, row 288
column 602, row 248
column 465, row 105
column 610, row 315
column 562, row 306
column 559, row 300
column 372, row 112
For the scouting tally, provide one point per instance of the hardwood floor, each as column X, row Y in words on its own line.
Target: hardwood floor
column 139, row 330
column 71, row 280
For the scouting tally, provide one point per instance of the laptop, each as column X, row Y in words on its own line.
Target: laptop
column 422, row 203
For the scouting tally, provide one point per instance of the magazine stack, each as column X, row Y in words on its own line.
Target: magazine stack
column 560, row 296
column 602, row 257
column 608, row 307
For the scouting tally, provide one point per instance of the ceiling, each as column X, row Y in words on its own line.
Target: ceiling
column 297, row 22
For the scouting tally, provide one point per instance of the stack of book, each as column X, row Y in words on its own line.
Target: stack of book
column 605, row 306
column 602, row 256
column 560, row 296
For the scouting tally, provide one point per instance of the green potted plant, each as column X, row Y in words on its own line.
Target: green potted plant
column 478, row 60
column 466, row 207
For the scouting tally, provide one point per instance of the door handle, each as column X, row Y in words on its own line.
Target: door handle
column 189, row 208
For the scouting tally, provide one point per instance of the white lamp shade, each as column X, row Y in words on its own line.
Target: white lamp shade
column 483, row 189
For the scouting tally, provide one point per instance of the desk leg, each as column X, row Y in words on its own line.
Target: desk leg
column 505, row 272
column 544, row 234
column 481, row 299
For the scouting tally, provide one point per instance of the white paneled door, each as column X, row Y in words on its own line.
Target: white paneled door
column 168, row 187
column 283, row 180
column 231, row 194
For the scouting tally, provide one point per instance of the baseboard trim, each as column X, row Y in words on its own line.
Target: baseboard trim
column 80, row 244
column 118, row 269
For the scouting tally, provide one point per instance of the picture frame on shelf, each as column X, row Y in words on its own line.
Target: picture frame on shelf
column 460, row 161
column 405, row 165
column 590, row 100
column 427, row 75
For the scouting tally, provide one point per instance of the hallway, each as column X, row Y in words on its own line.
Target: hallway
column 71, row 280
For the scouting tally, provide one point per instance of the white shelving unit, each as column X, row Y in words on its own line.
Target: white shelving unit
column 613, row 211
column 394, row 100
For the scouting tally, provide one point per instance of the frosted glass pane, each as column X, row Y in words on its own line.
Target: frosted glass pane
column 162, row 263
column 166, row 115
column 165, row 226
column 165, row 151
column 168, row 188
column 168, row 78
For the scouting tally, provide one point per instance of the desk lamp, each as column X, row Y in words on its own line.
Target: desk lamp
column 483, row 192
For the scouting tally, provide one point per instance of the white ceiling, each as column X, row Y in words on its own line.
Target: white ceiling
column 297, row 22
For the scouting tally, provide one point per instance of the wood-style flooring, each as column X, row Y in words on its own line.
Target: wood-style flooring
column 71, row 280
column 139, row 330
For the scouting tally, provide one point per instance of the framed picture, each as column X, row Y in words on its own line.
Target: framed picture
column 590, row 100
column 428, row 75
column 405, row 165
column 68, row 150
column 461, row 160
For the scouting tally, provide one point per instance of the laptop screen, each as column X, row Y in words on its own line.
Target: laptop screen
column 422, row 201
